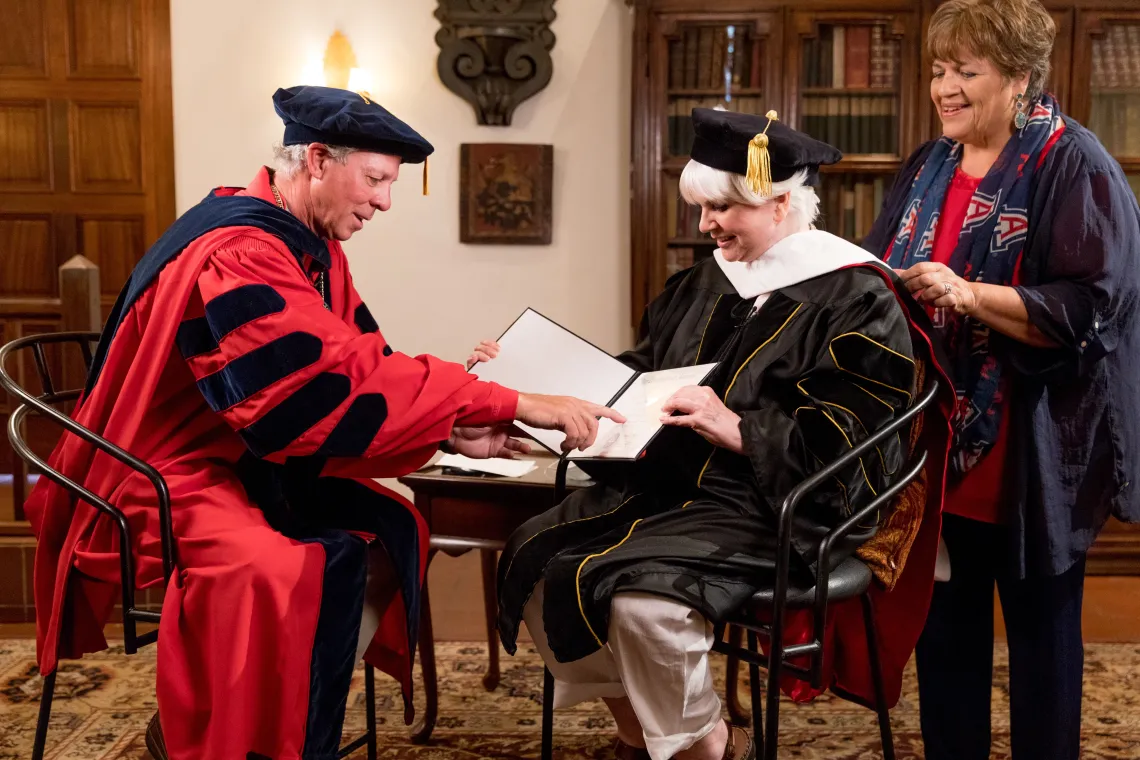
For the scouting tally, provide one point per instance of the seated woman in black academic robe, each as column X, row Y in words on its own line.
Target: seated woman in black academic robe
column 622, row 583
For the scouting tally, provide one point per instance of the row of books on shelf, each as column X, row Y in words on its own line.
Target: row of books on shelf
column 852, row 123
column 849, row 205
column 683, row 221
column 855, row 57
column 706, row 56
column 1116, row 57
column 680, row 119
column 1115, row 118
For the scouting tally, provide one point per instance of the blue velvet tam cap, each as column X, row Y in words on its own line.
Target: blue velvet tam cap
column 347, row 119
column 759, row 147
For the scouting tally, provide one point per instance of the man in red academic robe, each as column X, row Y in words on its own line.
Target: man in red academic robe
column 242, row 364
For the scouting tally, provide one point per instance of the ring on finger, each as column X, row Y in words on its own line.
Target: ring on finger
column 948, row 288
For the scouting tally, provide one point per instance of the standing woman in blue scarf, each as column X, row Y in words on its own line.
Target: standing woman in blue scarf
column 1020, row 233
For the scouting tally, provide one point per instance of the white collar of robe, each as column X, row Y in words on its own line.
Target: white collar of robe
column 796, row 258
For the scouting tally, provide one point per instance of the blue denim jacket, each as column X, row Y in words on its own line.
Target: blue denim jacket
column 1074, row 451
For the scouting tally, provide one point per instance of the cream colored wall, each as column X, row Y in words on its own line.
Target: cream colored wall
column 429, row 293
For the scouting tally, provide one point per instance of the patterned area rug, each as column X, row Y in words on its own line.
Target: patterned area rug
column 103, row 703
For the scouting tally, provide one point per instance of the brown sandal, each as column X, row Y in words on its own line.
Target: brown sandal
column 155, row 742
column 744, row 749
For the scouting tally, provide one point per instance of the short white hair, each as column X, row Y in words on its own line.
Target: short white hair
column 701, row 184
column 288, row 160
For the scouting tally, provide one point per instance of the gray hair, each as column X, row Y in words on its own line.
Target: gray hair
column 702, row 184
column 288, row 160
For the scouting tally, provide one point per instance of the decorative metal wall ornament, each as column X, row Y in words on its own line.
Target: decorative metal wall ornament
column 495, row 53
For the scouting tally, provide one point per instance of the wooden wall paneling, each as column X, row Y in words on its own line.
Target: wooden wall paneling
column 1116, row 551
column 106, row 151
column 27, row 256
column 158, row 120
column 113, row 244
column 23, row 39
column 25, row 146
column 86, row 149
column 104, row 38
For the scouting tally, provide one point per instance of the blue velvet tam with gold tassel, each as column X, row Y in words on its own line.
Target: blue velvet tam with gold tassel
column 761, row 148
column 350, row 120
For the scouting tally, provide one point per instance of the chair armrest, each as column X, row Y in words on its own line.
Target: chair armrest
column 796, row 495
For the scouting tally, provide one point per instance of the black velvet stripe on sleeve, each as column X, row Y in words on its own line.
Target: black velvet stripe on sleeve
column 224, row 314
column 364, row 320
column 260, row 368
column 357, row 428
column 240, row 306
column 287, row 421
column 194, row 338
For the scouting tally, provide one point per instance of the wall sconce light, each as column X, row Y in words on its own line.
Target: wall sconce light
column 338, row 68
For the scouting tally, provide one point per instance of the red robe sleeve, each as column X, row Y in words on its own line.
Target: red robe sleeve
column 294, row 379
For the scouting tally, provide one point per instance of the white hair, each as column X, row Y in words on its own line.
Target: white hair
column 288, row 160
column 701, row 184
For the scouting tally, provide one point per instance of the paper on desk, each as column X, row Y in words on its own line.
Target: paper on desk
column 511, row 468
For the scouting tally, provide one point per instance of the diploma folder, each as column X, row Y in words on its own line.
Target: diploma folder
column 540, row 356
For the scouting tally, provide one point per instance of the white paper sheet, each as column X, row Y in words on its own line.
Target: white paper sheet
column 511, row 468
column 540, row 356
column 641, row 405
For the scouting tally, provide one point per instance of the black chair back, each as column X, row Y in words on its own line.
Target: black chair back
column 45, row 405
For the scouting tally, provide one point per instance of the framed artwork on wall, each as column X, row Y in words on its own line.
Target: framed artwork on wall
column 505, row 193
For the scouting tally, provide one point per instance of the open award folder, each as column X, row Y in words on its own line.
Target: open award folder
column 540, row 356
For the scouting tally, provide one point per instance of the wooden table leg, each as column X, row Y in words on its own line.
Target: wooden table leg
column 736, row 711
column 491, row 611
column 425, row 724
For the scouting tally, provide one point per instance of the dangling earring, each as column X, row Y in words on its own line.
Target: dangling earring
column 1020, row 118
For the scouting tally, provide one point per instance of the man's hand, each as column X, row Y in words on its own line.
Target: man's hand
column 576, row 418
column 484, row 352
column 486, row 442
column 703, row 411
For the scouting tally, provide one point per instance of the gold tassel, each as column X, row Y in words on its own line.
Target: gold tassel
column 759, row 175
column 425, row 175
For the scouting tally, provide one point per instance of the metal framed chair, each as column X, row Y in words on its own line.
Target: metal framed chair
column 45, row 406
column 850, row 579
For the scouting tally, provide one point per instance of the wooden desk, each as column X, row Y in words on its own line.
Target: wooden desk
column 465, row 512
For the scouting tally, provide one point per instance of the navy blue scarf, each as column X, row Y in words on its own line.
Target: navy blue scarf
column 215, row 211
column 989, row 248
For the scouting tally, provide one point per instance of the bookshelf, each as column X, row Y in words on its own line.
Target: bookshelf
column 853, row 73
column 846, row 73
column 1107, row 96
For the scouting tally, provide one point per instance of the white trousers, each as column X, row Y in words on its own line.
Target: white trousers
column 657, row 655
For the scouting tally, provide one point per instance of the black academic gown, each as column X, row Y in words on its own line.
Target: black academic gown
column 821, row 363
